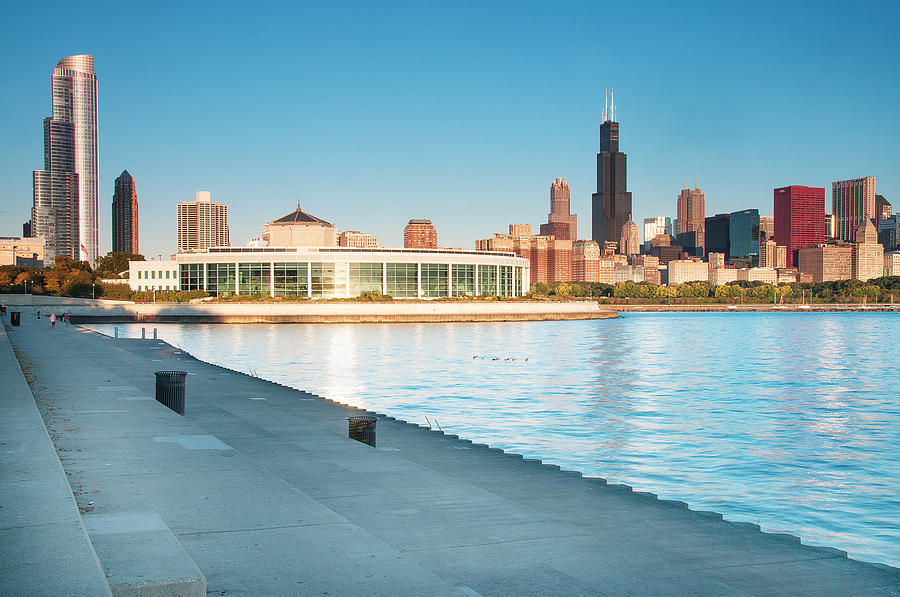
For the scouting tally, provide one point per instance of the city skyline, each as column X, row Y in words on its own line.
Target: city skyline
column 687, row 111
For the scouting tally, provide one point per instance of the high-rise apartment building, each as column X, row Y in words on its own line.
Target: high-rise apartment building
column 611, row 204
column 202, row 224
column 125, row 215
column 560, row 222
column 66, row 191
column 691, row 222
column 550, row 258
column 852, row 202
column 420, row 234
column 799, row 219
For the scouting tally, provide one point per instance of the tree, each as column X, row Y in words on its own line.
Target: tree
column 113, row 263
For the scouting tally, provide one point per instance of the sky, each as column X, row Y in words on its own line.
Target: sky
column 369, row 114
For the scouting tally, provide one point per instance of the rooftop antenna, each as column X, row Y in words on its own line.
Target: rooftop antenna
column 606, row 107
column 612, row 104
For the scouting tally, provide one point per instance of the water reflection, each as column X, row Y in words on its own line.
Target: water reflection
column 789, row 419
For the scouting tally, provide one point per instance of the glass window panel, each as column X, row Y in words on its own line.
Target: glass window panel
column 291, row 279
column 463, row 280
column 191, row 277
column 365, row 277
column 402, row 280
column 434, row 279
column 487, row 279
column 219, row 278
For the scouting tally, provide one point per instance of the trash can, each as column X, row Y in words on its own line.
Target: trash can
column 362, row 428
column 2, row 309
column 170, row 389
column 15, row 318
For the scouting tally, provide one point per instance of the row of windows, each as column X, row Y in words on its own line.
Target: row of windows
column 339, row 280
column 152, row 274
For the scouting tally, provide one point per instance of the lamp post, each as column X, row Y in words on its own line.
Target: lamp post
column 92, row 289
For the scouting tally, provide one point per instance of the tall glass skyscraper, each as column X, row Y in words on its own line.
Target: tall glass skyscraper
column 66, row 192
column 611, row 204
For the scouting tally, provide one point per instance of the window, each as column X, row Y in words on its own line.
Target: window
column 219, row 278
column 463, row 280
column 506, row 280
column 328, row 280
column 434, row 279
column 487, row 279
column 253, row 278
column 365, row 277
column 402, row 280
column 291, row 279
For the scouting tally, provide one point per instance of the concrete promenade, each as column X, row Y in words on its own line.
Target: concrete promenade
column 267, row 496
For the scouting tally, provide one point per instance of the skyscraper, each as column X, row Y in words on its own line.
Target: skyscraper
column 743, row 230
column 628, row 241
column 717, row 234
column 799, row 219
column 882, row 209
column 202, row 224
column 66, row 191
column 560, row 223
column 611, row 204
column 125, row 215
column 852, row 201
column 690, row 225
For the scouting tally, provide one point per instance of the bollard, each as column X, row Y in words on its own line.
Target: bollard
column 154, row 333
column 2, row 309
column 15, row 318
column 117, row 333
column 143, row 333
column 170, row 389
column 362, row 428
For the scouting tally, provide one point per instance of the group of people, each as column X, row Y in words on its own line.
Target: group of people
column 53, row 318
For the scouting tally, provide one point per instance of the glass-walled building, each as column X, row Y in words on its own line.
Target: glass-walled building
column 338, row 272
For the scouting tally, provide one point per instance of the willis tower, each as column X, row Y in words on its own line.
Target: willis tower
column 611, row 204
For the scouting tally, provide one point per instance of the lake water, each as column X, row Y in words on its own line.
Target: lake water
column 788, row 420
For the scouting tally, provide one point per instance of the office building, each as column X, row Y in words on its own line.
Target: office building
column 655, row 226
column 125, row 215
column 691, row 222
column 26, row 229
column 826, row 263
column 329, row 272
column 629, row 243
column 772, row 254
column 611, row 204
column 743, row 236
column 715, row 260
column 560, row 222
column 65, row 192
column 867, row 259
column 889, row 232
column 799, row 219
column 892, row 263
column 550, row 259
column 354, row 238
column 717, row 234
column 585, row 261
column 766, row 227
column 650, row 265
column 202, row 223
column 420, row 234
column 720, row 276
column 687, row 270
column 882, row 209
column 766, row 275
column 829, row 226
column 852, row 201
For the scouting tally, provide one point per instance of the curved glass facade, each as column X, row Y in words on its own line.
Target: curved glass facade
column 308, row 272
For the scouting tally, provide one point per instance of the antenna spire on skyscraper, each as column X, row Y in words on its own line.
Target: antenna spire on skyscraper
column 612, row 105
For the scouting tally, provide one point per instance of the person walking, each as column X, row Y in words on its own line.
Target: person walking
column 66, row 318
column 53, row 320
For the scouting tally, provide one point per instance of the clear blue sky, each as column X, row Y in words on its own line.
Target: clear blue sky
column 373, row 113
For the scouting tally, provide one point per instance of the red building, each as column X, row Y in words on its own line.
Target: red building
column 799, row 219
column 420, row 234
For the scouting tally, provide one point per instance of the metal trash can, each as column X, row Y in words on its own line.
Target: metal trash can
column 2, row 309
column 15, row 318
column 362, row 428
column 170, row 389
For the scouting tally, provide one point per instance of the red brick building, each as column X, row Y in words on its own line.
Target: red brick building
column 419, row 234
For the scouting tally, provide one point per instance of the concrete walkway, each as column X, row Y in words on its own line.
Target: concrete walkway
column 264, row 491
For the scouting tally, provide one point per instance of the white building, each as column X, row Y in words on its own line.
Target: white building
column 688, row 270
column 336, row 272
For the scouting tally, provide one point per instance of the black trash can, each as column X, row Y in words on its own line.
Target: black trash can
column 170, row 389
column 362, row 428
column 2, row 309
column 15, row 318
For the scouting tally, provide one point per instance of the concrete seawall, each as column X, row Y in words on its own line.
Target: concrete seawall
column 91, row 311
column 263, row 490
